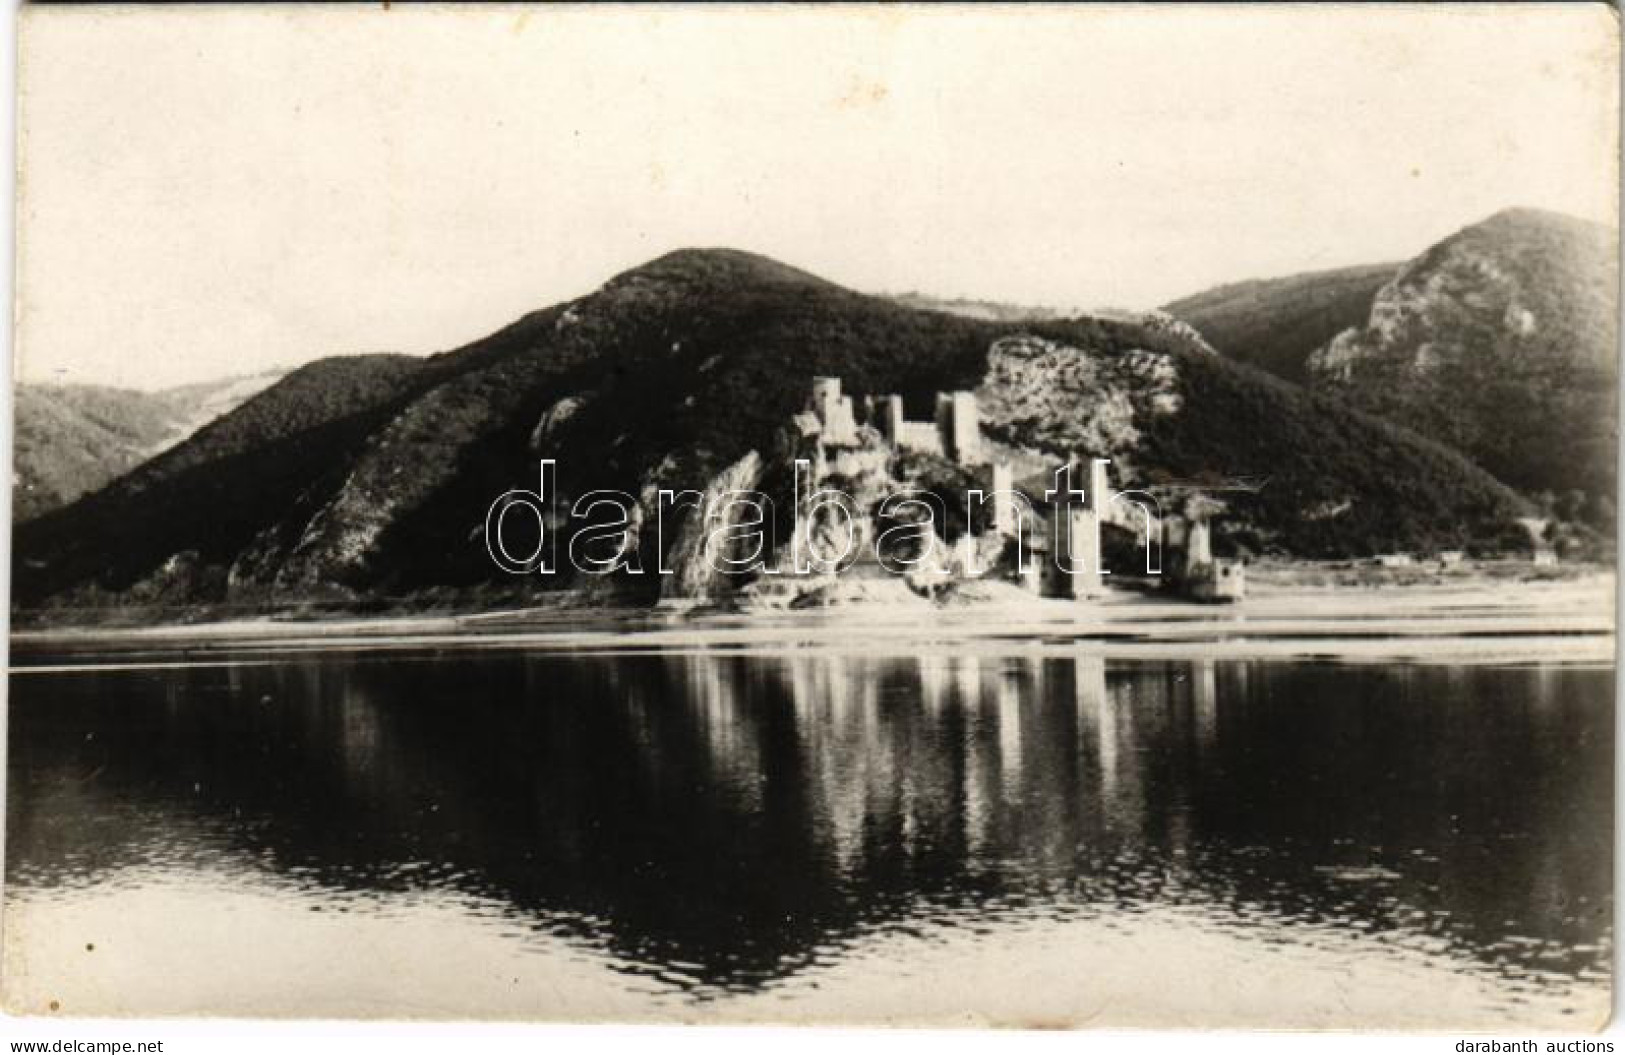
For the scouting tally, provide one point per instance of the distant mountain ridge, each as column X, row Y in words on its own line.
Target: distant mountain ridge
column 71, row 439
column 370, row 477
column 973, row 308
column 1275, row 324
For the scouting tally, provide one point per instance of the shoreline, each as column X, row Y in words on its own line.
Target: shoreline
column 1471, row 621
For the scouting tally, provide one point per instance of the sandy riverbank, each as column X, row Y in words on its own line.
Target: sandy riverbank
column 1470, row 619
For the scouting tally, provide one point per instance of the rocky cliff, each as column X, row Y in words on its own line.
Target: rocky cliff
column 1501, row 342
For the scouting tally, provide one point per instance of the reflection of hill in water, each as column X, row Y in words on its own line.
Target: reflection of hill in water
column 726, row 819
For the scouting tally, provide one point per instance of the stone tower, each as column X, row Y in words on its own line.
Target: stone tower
column 838, row 423
column 959, row 424
column 1198, row 544
column 891, row 419
column 1075, row 534
column 1005, row 513
column 826, row 395
column 1078, row 547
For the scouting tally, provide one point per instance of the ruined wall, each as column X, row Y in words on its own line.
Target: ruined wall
column 919, row 436
column 959, row 426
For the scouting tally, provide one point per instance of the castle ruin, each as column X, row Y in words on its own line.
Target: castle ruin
column 954, row 433
column 1068, row 518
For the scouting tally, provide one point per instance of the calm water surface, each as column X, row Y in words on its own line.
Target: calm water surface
column 575, row 836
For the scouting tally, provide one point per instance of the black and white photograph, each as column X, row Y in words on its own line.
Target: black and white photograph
column 961, row 518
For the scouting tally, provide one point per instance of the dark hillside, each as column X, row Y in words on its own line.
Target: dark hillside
column 280, row 451
column 1500, row 341
column 1274, row 324
column 71, row 439
column 371, row 477
column 1340, row 483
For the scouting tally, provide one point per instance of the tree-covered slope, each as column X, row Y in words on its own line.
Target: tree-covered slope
column 1500, row 342
column 371, row 477
column 1277, row 323
column 70, row 439
column 270, row 459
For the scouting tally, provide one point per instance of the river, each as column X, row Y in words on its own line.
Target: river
column 946, row 836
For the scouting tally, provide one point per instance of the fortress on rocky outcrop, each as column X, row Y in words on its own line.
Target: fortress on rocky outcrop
column 1054, row 515
column 955, row 434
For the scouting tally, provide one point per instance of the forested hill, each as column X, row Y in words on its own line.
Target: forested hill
column 371, row 476
column 70, row 439
column 1499, row 341
column 1275, row 324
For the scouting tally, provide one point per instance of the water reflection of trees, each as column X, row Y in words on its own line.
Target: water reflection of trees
column 740, row 814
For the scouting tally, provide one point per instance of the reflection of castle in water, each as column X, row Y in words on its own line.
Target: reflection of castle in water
column 738, row 813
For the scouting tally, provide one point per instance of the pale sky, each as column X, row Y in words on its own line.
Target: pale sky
column 211, row 191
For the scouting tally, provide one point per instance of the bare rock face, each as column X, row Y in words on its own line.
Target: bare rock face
column 1425, row 318
column 695, row 556
column 182, row 578
column 1160, row 322
column 554, row 419
column 399, row 468
column 1039, row 394
column 1498, row 341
